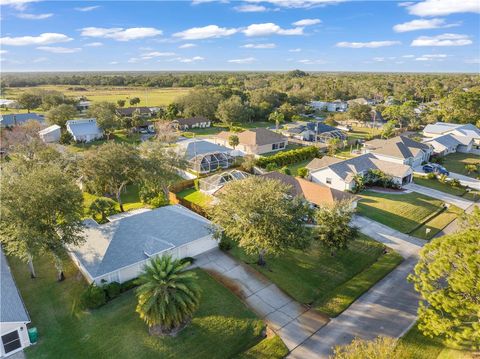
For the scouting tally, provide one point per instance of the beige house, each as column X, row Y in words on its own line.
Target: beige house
column 255, row 141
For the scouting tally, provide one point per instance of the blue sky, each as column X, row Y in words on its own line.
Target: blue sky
column 313, row 35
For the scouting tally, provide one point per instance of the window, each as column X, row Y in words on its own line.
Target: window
column 11, row 342
column 329, row 180
column 275, row 146
column 281, row 145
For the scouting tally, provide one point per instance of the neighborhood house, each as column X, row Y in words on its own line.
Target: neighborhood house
column 141, row 111
column 214, row 183
column 13, row 315
column 447, row 138
column 117, row 251
column 182, row 124
column 315, row 132
column 84, row 130
column 16, row 119
column 256, row 141
column 50, row 134
column 334, row 106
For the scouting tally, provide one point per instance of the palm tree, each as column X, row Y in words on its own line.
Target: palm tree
column 167, row 295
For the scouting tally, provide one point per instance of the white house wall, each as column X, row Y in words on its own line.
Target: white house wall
column 336, row 182
column 8, row 327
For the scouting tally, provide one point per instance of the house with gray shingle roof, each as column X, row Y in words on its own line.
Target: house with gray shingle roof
column 117, row 251
column 255, row 141
column 13, row 314
column 341, row 175
column 445, row 144
column 442, row 135
column 203, row 156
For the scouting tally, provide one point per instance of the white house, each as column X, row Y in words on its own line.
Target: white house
column 463, row 134
column 340, row 174
column 13, row 315
column 117, row 251
column 50, row 134
column 399, row 149
column 334, row 106
column 84, row 130
column 445, row 144
column 83, row 106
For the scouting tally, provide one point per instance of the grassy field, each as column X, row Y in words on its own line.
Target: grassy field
column 455, row 162
column 195, row 196
column 417, row 346
column 222, row 327
column 314, row 276
column 147, row 96
column 403, row 212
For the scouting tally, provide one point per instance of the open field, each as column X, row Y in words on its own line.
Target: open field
column 147, row 96
column 316, row 278
column 455, row 162
column 403, row 212
column 115, row 330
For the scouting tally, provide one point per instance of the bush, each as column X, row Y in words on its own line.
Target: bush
column 159, row 201
column 285, row 170
column 93, row 297
column 431, row 176
column 249, row 161
column 66, row 138
column 455, row 183
column 289, row 157
column 188, row 260
column 271, row 167
column 129, row 284
column 302, row 172
column 112, row 290
column 225, row 244
column 196, row 184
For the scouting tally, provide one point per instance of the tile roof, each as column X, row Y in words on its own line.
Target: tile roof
column 129, row 240
column 255, row 137
column 12, row 308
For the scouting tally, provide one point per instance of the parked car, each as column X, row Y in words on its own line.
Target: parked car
column 435, row 168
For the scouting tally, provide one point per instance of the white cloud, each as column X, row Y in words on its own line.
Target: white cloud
column 206, row 32
column 17, row 4
column 312, row 62
column 247, row 60
column 42, row 39
column 121, row 34
column 295, row 50
column 307, row 22
column 86, row 8
column 379, row 59
column 473, row 61
column 260, row 46
column 59, row 49
column 93, row 44
column 405, row 3
column 444, row 7
column 421, row 59
column 408, row 56
column 422, row 24
column 186, row 46
column 133, row 60
column 270, row 28
column 34, row 16
column 3, row 52
column 151, row 55
column 40, row 59
column 432, row 57
column 190, row 59
column 370, row 44
column 442, row 40
column 113, row 62
column 250, row 8
column 297, row 3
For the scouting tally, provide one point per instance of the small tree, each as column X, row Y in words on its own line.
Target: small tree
column 388, row 129
column 29, row 101
column 302, row 172
column 258, row 214
column 103, row 207
column 333, row 226
column 167, row 296
column 134, row 101
column 121, row 103
column 105, row 113
column 61, row 114
column 276, row 117
column 471, row 168
column 333, row 144
column 233, row 141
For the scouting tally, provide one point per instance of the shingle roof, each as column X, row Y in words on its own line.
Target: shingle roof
column 445, row 140
column 82, row 127
column 20, row 118
column 193, row 147
column 440, row 127
column 400, row 146
column 190, row 121
column 313, row 192
column 132, row 239
column 128, row 111
column 318, row 163
column 255, row 137
column 12, row 308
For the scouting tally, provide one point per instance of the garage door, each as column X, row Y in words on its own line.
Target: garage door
column 11, row 342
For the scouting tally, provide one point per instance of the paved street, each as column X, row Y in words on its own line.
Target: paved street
column 292, row 321
column 388, row 308
column 466, row 181
column 445, row 197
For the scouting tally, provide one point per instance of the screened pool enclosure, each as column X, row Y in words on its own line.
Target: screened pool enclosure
column 208, row 162
column 213, row 183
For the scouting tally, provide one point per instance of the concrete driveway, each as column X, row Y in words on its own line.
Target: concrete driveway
column 445, row 197
column 388, row 308
column 466, row 181
column 292, row 321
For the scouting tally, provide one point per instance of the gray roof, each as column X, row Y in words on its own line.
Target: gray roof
column 400, row 146
column 20, row 118
column 83, row 127
column 440, row 127
column 12, row 308
column 446, row 140
column 192, row 147
column 132, row 239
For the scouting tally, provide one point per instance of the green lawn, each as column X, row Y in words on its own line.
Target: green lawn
column 461, row 191
column 312, row 276
column 417, row 346
column 119, row 136
column 223, row 327
column 362, row 133
column 455, row 162
column 295, row 166
column 437, row 223
column 270, row 348
column 403, row 212
column 195, row 196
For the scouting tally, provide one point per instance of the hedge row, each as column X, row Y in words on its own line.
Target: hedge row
column 96, row 296
column 289, row 157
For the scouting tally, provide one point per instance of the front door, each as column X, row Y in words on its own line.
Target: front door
column 11, row 342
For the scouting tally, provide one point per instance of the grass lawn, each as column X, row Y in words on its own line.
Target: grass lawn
column 461, row 191
column 147, row 96
column 403, row 212
column 455, row 162
column 270, row 348
column 418, row 346
column 194, row 196
column 119, row 136
column 313, row 276
column 361, row 133
column 295, row 166
column 223, row 326
column 437, row 223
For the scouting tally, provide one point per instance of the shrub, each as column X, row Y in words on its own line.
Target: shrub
column 248, row 163
column 189, row 260
column 129, row 284
column 443, row 178
column 289, row 157
column 285, row 170
column 431, row 176
column 302, row 172
column 112, row 290
column 271, row 167
column 225, row 244
column 455, row 183
column 159, row 201
column 66, row 138
column 93, row 297
column 196, row 184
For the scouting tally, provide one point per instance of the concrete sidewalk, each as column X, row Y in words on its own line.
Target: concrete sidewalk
column 292, row 321
column 445, row 197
